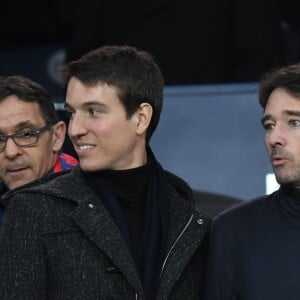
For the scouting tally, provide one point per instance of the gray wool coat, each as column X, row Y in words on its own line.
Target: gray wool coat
column 58, row 242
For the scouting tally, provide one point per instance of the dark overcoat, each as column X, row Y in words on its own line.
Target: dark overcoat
column 57, row 241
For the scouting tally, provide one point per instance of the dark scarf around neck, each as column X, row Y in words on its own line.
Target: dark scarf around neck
column 152, row 245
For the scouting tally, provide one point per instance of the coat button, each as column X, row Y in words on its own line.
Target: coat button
column 91, row 205
column 200, row 221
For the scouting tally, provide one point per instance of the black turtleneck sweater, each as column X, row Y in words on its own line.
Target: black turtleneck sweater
column 255, row 250
column 136, row 199
column 129, row 187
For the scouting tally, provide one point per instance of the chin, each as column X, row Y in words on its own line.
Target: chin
column 16, row 185
column 285, row 181
column 89, row 167
column 93, row 165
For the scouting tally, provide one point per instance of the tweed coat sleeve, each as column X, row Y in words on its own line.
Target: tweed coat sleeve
column 22, row 266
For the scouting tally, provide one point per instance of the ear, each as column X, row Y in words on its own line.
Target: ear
column 59, row 133
column 144, row 115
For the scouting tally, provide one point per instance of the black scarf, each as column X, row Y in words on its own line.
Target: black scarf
column 152, row 244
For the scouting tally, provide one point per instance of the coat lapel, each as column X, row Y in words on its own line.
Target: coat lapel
column 97, row 224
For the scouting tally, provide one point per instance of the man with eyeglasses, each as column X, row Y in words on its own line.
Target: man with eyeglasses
column 31, row 135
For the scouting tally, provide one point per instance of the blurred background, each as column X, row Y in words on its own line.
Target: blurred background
column 212, row 54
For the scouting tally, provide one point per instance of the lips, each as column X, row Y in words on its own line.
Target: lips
column 84, row 148
column 278, row 160
column 16, row 170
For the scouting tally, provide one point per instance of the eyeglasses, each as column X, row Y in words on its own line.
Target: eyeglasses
column 25, row 138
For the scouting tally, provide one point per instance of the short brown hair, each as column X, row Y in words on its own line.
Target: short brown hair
column 287, row 78
column 132, row 72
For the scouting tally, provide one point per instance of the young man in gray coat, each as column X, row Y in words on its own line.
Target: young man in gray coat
column 118, row 227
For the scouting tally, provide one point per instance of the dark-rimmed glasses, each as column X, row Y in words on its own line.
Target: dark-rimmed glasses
column 24, row 138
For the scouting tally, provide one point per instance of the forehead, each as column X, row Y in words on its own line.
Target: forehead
column 280, row 102
column 14, row 111
column 79, row 94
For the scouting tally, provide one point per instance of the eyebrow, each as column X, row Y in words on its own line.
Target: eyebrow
column 86, row 104
column 21, row 125
column 265, row 118
column 295, row 113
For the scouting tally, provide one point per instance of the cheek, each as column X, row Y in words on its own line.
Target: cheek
column 1, row 168
column 297, row 147
column 104, row 131
column 268, row 148
column 41, row 157
column 38, row 161
column 266, row 141
column 108, row 129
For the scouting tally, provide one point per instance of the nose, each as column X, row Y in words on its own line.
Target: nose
column 12, row 150
column 276, row 137
column 77, row 126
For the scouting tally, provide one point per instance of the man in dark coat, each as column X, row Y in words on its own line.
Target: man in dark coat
column 254, row 252
column 118, row 227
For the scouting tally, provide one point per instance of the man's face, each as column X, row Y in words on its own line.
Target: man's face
column 282, row 125
column 20, row 165
column 102, row 136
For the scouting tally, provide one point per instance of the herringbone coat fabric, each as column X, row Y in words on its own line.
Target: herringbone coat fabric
column 58, row 242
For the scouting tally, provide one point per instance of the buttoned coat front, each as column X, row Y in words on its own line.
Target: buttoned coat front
column 58, row 242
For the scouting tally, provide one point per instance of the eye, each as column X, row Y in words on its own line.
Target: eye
column 94, row 112
column 26, row 134
column 268, row 126
column 3, row 138
column 69, row 114
column 294, row 123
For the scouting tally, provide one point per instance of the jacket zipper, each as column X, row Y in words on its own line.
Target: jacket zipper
column 173, row 245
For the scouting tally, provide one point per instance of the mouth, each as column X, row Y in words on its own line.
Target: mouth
column 80, row 149
column 278, row 161
column 16, row 170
